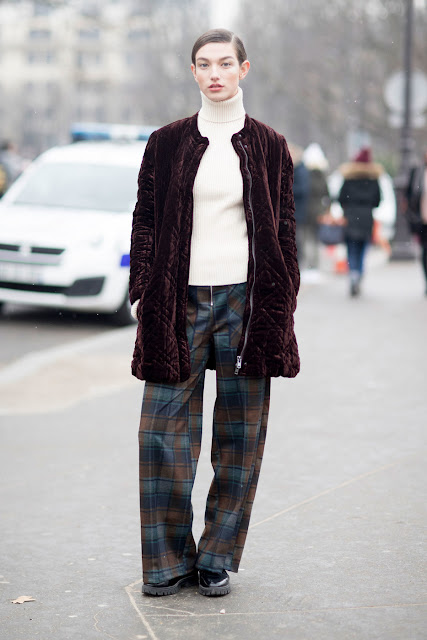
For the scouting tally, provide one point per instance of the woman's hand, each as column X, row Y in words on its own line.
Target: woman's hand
column 328, row 218
column 134, row 309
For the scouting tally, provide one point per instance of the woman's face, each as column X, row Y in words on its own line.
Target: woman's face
column 217, row 70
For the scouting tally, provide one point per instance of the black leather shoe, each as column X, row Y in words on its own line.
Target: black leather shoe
column 354, row 289
column 214, row 584
column 169, row 587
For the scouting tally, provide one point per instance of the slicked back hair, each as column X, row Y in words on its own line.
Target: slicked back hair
column 220, row 35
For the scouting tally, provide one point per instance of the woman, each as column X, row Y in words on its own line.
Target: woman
column 360, row 193
column 300, row 190
column 213, row 282
column 317, row 205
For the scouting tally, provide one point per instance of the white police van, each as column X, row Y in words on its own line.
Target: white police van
column 65, row 224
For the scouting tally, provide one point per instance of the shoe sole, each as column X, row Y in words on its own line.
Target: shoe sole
column 214, row 591
column 151, row 590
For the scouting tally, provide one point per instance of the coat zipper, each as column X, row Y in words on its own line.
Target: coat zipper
column 211, row 296
column 251, row 295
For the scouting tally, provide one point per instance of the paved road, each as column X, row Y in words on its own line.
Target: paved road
column 27, row 329
column 337, row 540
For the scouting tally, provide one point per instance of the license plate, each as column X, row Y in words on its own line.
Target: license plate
column 27, row 273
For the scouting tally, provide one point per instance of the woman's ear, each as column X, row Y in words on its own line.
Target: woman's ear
column 193, row 71
column 244, row 69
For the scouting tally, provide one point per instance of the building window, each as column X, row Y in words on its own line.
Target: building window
column 40, row 34
column 89, row 34
column 88, row 59
column 51, row 87
column 138, row 34
column 31, row 114
column 100, row 114
column 132, row 59
column 41, row 57
column 91, row 88
column 42, row 9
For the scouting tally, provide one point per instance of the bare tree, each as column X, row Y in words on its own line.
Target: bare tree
column 319, row 68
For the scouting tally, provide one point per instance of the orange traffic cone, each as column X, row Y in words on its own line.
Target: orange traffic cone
column 341, row 264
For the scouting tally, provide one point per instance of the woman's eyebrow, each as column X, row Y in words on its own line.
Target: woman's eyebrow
column 207, row 60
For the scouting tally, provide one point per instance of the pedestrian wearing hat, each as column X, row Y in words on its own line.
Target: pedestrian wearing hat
column 318, row 204
column 359, row 195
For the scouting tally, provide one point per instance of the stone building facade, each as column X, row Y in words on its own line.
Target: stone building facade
column 88, row 61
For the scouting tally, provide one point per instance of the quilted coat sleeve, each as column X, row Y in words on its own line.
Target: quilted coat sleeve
column 142, row 239
column 287, row 219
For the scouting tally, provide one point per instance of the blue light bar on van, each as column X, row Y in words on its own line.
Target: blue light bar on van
column 125, row 260
column 99, row 131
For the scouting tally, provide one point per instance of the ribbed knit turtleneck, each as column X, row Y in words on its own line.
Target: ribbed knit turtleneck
column 219, row 241
column 224, row 111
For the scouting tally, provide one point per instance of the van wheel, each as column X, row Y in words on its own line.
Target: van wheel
column 122, row 317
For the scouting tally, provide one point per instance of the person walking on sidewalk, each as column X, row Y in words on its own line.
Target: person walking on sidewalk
column 301, row 189
column 213, row 283
column 417, row 208
column 318, row 204
column 360, row 193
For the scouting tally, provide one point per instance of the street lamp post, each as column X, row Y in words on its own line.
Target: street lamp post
column 406, row 136
column 403, row 248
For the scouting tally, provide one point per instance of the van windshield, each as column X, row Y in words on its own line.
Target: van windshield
column 80, row 186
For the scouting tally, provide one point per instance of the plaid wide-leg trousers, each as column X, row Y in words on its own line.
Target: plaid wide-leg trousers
column 170, row 438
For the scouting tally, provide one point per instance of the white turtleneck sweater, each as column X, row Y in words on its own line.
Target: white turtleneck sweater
column 219, row 241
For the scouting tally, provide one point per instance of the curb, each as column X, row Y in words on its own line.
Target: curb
column 33, row 362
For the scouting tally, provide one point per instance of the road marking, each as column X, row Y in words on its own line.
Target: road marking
column 33, row 362
column 96, row 627
column 327, row 491
column 129, row 591
column 397, row 605
column 58, row 378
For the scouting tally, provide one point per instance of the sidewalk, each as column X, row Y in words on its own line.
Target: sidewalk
column 337, row 540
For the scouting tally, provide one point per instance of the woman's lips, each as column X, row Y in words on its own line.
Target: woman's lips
column 216, row 87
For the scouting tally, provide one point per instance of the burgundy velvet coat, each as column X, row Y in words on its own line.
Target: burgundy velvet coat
column 160, row 252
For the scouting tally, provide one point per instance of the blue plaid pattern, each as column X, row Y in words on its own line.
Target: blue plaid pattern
column 170, row 438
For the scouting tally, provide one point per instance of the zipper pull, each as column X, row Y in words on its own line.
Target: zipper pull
column 238, row 365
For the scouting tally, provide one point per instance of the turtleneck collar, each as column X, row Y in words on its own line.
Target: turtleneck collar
column 223, row 111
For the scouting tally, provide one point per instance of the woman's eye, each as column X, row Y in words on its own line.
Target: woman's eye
column 226, row 64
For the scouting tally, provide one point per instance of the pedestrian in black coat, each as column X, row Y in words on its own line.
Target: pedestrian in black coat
column 417, row 208
column 317, row 205
column 301, row 189
column 359, row 195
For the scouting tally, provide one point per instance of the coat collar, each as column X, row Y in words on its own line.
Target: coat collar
column 197, row 136
column 359, row 170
